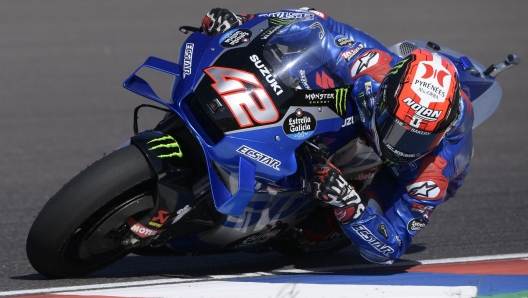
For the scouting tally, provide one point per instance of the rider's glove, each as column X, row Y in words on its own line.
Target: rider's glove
column 219, row 20
column 331, row 187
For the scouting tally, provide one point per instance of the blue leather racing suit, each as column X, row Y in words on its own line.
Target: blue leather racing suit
column 400, row 200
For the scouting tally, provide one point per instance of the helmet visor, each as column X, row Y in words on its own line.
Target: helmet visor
column 401, row 141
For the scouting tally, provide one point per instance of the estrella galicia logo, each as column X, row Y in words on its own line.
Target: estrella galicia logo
column 168, row 145
column 342, row 41
column 234, row 38
column 416, row 224
column 299, row 125
column 341, row 100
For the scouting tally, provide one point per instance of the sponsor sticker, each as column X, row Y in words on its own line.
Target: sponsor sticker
column 349, row 54
column 424, row 189
column 266, row 74
column 364, row 62
column 303, row 79
column 289, row 15
column 141, row 230
column 341, row 100
column 349, row 121
column 419, row 208
column 235, row 38
column 416, row 224
column 319, row 97
column 269, row 231
column 343, row 41
column 323, row 80
column 166, row 145
column 180, row 213
column 431, row 82
column 367, row 235
column 319, row 14
column 270, row 31
column 402, row 154
column 382, row 229
column 421, row 112
column 162, row 216
column 299, row 125
column 158, row 220
column 279, row 21
column 187, row 59
column 260, row 157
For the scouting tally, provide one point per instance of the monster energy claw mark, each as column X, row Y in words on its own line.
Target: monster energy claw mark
column 169, row 142
column 277, row 21
column 397, row 67
column 340, row 98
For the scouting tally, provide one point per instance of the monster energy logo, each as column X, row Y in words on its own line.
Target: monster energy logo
column 168, row 142
column 277, row 21
column 397, row 67
column 340, row 100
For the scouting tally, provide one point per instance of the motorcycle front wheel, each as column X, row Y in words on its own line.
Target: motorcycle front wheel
column 79, row 229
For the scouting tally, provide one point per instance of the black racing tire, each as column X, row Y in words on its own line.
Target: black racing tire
column 54, row 245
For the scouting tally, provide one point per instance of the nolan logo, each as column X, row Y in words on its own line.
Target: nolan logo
column 421, row 111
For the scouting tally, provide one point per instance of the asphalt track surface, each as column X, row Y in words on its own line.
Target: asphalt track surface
column 62, row 64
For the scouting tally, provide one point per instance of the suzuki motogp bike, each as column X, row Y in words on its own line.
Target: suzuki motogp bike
column 228, row 167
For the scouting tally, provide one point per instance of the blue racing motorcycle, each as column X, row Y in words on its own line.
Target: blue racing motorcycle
column 228, row 167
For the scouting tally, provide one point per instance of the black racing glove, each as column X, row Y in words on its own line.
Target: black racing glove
column 331, row 187
column 219, row 20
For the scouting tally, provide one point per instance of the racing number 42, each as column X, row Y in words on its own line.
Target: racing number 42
column 245, row 107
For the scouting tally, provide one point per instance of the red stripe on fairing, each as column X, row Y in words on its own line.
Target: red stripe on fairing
column 495, row 267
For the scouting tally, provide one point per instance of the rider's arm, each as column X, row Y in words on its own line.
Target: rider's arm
column 400, row 201
column 345, row 50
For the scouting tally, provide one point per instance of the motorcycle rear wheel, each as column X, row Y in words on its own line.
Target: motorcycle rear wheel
column 64, row 242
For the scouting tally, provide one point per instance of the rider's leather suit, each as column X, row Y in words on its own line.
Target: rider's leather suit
column 400, row 200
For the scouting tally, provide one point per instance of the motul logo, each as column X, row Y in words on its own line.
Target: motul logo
column 141, row 230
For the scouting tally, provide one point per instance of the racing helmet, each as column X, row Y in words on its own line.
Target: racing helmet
column 417, row 104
